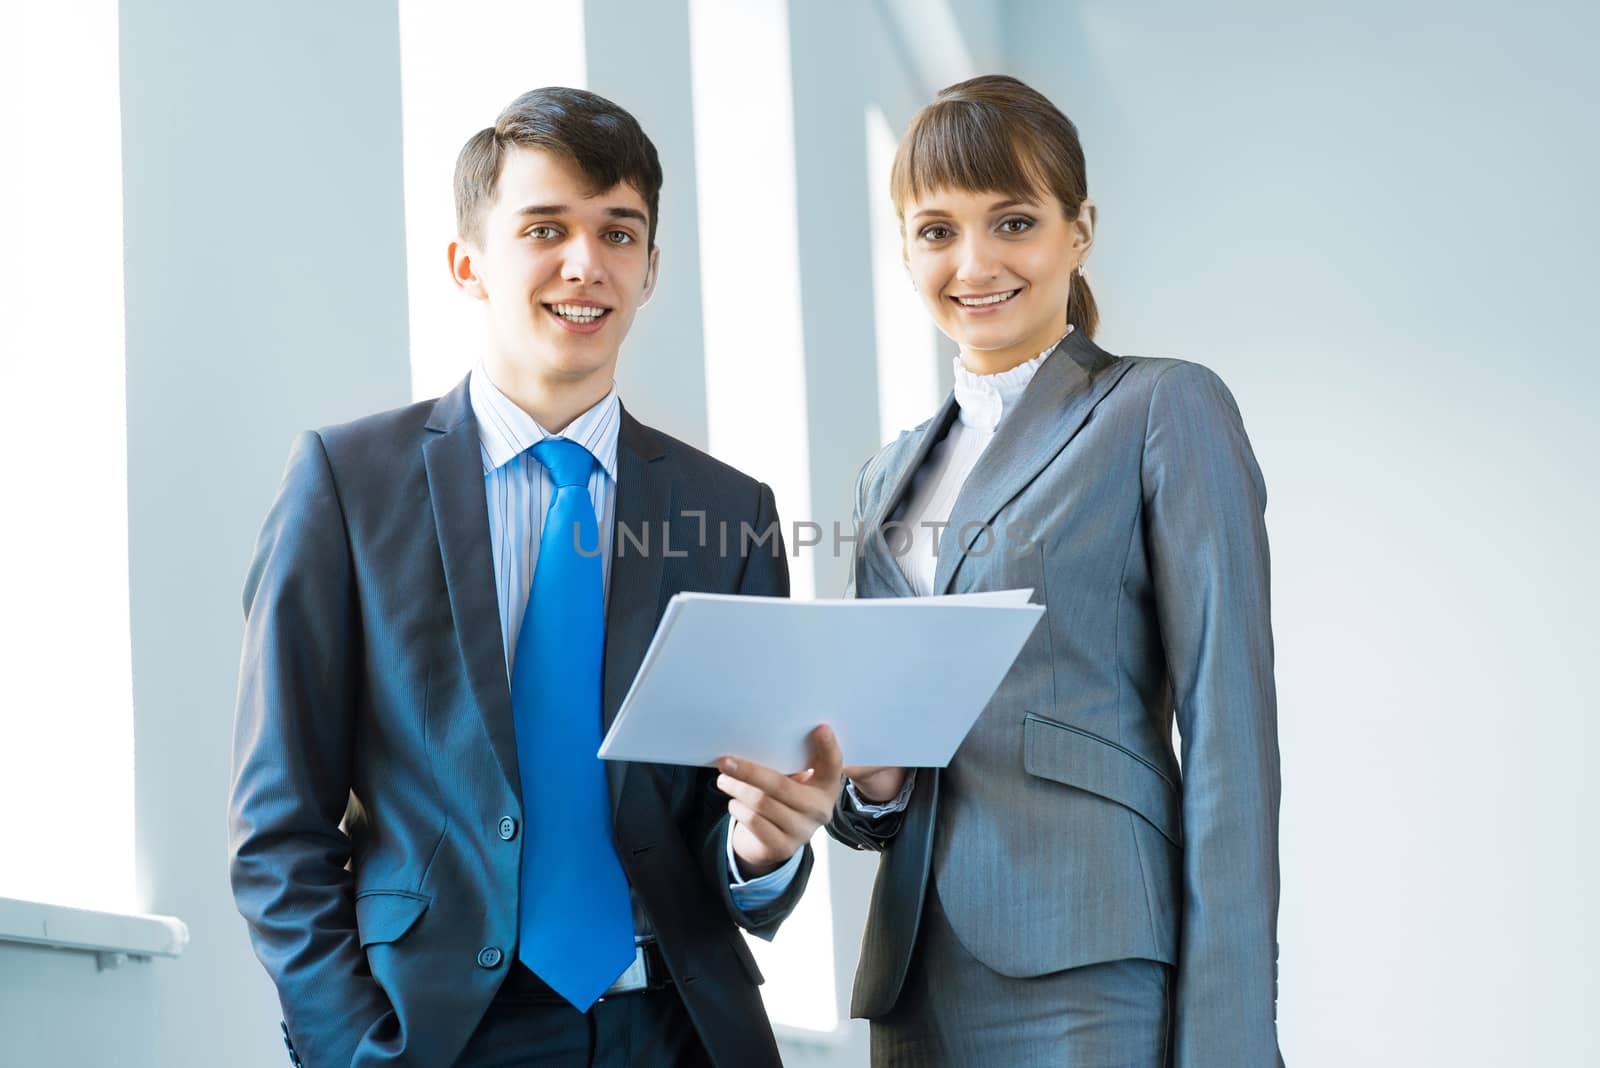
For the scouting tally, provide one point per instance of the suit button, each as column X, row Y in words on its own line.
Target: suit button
column 489, row 957
column 508, row 828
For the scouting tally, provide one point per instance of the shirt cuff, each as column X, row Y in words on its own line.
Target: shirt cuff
column 877, row 811
column 752, row 894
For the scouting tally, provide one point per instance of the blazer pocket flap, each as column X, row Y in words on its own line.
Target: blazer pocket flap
column 385, row 915
column 1084, row 760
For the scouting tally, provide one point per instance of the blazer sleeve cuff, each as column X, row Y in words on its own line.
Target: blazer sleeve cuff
column 750, row 895
column 875, row 810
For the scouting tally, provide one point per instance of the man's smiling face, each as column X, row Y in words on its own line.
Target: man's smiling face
column 563, row 267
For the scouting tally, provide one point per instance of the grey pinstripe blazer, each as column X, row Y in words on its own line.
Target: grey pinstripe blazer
column 1063, row 833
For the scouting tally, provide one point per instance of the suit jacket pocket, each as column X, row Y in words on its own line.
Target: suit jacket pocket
column 1082, row 759
column 385, row 915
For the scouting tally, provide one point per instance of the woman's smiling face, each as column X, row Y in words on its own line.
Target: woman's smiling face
column 995, row 272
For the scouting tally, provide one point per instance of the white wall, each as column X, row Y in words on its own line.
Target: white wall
column 1376, row 223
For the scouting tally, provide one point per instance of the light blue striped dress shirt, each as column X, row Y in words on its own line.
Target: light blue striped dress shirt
column 519, row 489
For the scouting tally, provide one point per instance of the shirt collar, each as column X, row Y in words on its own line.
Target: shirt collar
column 985, row 399
column 505, row 431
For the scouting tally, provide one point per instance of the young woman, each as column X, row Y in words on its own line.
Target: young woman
column 1062, row 893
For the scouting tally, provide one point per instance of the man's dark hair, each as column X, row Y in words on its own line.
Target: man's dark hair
column 602, row 139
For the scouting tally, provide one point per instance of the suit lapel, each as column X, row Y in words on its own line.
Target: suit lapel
column 634, row 602
column 1063, row 392
column 461, row 517
column 876, row 554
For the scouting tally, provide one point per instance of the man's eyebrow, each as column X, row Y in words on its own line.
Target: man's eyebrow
column 562, row 209
column 627, row 213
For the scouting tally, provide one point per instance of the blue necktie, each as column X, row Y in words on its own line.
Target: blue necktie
column 574, row 922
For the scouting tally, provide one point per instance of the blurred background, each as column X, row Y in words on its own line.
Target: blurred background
column 1377, row 221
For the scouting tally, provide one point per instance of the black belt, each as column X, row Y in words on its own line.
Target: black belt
column 647, row 972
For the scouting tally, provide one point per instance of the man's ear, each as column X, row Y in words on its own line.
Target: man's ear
column 462, row 274
column 650, row 276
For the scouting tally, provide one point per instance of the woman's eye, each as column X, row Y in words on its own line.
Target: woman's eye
column 620, row 237
column 541, row 233
column 1016, row 226
column 935, row 233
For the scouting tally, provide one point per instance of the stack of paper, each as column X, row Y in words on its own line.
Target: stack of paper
column 900, row 680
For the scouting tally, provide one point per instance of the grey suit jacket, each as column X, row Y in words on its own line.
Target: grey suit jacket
column 373, row 678
column 1124, row 492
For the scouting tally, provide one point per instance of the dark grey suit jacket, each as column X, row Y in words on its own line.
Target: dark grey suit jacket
column 373, row 679
column 1063, row 833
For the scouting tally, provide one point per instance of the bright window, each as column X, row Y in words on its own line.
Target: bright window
column 456, row 73
column 755, row 361
column 66, row 729
column 908, row 378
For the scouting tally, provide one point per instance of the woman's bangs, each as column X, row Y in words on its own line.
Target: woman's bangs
column 967, row 147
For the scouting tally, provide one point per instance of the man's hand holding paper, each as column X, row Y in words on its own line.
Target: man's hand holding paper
column 776, row 814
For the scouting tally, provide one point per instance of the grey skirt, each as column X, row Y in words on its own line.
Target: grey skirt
column 955, row 1011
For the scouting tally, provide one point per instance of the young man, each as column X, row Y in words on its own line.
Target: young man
column 446, row 606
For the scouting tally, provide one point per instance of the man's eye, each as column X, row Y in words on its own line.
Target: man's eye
column 935, row 233
column 1016, row 226
column 620, row 237
column 541, row 233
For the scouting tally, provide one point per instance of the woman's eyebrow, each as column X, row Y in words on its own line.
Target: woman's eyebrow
column 999, row 205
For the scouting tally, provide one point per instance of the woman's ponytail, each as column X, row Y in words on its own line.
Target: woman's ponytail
column 1082, row 312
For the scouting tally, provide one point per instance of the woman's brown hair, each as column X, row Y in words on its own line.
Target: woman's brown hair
column 995, row 134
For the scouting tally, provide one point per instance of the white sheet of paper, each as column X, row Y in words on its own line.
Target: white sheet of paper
column 901, row 680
